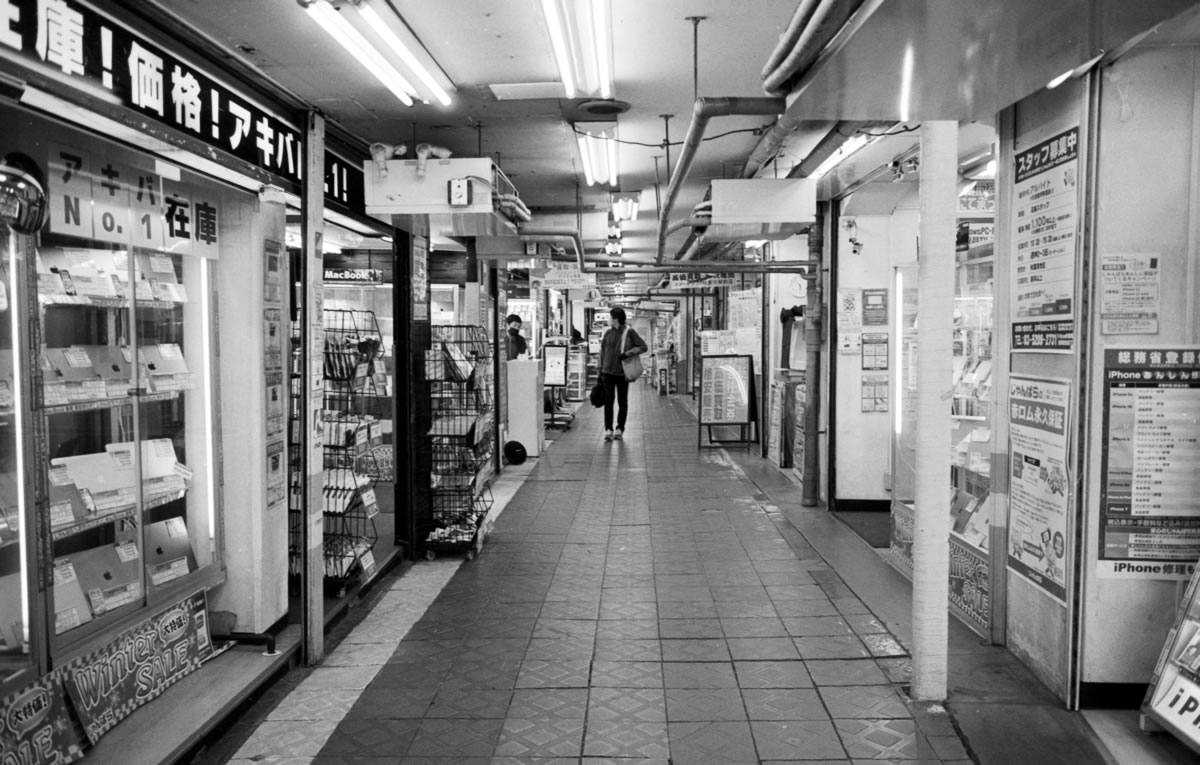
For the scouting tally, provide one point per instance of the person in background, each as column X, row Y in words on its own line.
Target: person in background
column 576, row 336
column 514, row 343
column 619, row 342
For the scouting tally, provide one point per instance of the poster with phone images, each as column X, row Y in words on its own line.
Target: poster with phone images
column 1150, row 463
column 1038, row 418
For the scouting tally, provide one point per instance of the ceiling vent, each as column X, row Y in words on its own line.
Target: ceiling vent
column 603, row 109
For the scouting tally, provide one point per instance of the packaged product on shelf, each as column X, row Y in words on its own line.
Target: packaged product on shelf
column 457, row 363
column 114, row 369
column 71, row 607
column 168, row 551
column 110, row 576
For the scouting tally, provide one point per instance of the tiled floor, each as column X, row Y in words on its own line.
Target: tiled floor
column 635, row 604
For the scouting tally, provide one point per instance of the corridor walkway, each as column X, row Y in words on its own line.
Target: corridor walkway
column 638, row 602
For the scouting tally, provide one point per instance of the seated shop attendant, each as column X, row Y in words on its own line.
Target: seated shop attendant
column 514, row 343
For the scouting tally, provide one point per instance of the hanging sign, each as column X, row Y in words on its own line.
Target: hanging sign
column 1045, row 208
column 1150, row 463
column 560, row 276
column 110, row 683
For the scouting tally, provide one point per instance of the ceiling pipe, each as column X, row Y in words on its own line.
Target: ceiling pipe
column 805, row 268
column 704, row 110
column 820, row 28
column 554, row 236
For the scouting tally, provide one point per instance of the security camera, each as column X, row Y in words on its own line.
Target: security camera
column 23, row 205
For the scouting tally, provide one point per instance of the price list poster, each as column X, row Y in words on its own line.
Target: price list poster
column 1046, row 213
column 1150, row 466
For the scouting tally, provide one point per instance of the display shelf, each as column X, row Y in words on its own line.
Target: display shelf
column 460, row 438
column 110, row 403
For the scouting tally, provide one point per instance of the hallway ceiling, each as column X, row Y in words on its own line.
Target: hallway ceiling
column 972, row 57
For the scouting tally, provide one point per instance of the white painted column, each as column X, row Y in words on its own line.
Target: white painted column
column 935, row 323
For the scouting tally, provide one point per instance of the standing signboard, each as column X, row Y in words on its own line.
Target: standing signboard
column 727, row 396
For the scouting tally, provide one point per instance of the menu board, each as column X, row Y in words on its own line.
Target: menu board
column 725, row 389
column 1150, row 464
column 556, row 365
column 1045, row 216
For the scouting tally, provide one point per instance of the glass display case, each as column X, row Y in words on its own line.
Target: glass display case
column 16, row 657
column 972, row 413
column 122, row 395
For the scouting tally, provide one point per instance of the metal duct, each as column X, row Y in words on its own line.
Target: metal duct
column 825, row 22
column 702, row 112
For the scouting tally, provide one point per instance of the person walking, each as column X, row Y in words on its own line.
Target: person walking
column 619, row 342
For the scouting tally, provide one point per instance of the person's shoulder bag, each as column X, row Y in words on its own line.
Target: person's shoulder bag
column 631, row 364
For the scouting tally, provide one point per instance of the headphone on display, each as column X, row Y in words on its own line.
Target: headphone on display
column 23, row 204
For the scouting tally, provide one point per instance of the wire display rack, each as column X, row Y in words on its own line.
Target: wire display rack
column 458, row 368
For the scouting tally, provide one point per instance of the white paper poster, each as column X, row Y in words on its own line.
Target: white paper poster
column 1129, row 294
column 1038, row 493
column 1045, row 214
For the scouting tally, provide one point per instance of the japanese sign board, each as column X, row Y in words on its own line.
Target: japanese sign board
column 697, row 281
column 110, row 683
column 725, row 390
column 875, row 307
column 1129, row 294
column 1150, row 463
column 1038, row 417
column 37, row 725
column 969, row 584
column 1045, row 216
column 96, row 196
column 75, row 42
column 561, row 276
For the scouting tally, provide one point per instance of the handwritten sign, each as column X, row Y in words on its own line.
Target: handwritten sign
column 112, row 682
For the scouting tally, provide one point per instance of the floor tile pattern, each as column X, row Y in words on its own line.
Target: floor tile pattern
column 635, row 603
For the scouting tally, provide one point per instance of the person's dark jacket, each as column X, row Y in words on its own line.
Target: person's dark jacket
column 515, row 344
column 610, row 358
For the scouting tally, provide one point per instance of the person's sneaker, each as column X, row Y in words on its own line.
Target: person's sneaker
column 618, row 435
column 608, row 435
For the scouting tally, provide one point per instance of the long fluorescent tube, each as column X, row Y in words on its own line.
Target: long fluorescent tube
column 598, row 151
column 402, row 50
column 851, row 145
column 601, row 38
column 558, row 41
column 350, row 39
column 585, row 156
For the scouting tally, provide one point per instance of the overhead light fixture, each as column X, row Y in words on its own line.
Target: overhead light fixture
column 404, row 51
column 598, row 151
column 338, row 26
column 851, row 145
column 581, row 36
column 613, row 248
column 624, row 204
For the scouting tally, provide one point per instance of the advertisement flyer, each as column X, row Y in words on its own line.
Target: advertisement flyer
column 110, row 683
column 1045, row 207
column 875, row 308
column 1150, row 463
column 875, row 350
column 37, row 719
column 1038, row 421
column 875, row 393
column 1129, row 294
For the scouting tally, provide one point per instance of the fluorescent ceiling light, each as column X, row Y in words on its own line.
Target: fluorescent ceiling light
column 581, row 36
column 404, row 52
column 851, row 145
column 353, row 41
column 625, row 204
column 598, row 151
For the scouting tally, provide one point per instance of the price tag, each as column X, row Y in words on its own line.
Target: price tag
column 128, row 552
column 77, row 358
column 163, row 448
column 368, row 497
column 55, row 394
column 170, row 351
column 161, row 264
column 64, row 572
column 183, row 471
column 66, row 620
column 167, row 572
column 61, row 514
column 368, row 563
column 123, row 456
column 59, row 475
column 93, row 390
